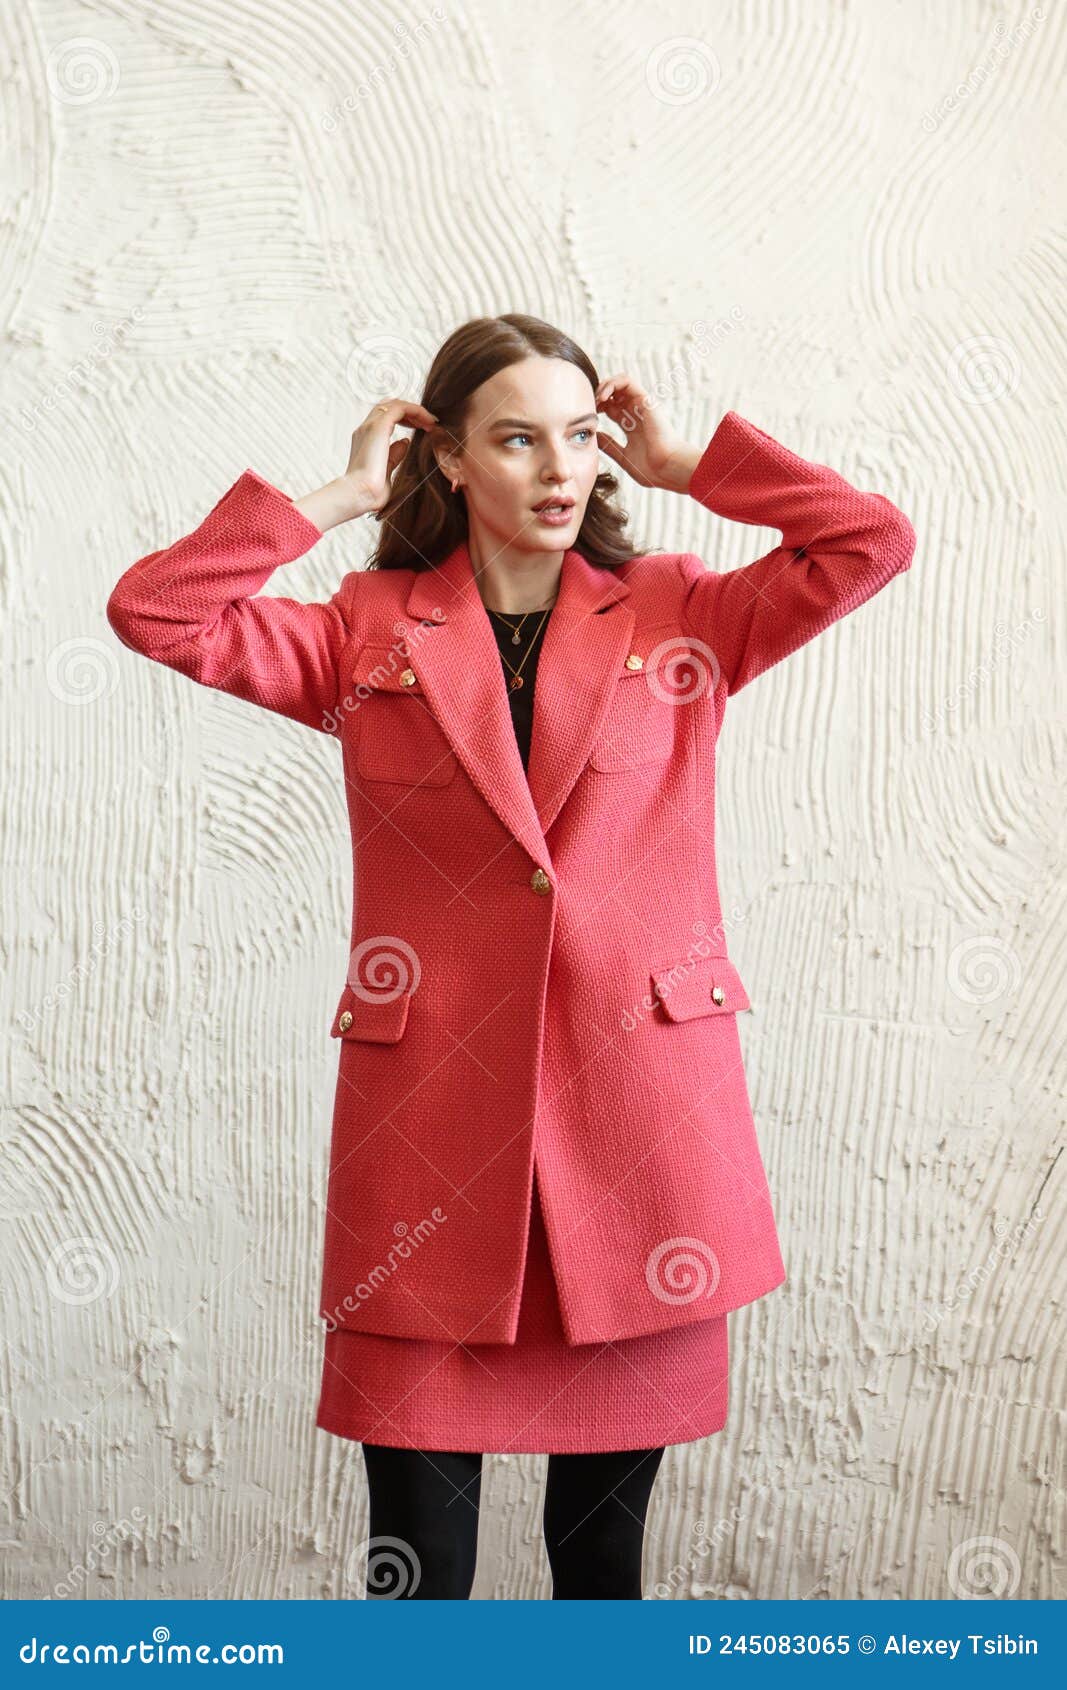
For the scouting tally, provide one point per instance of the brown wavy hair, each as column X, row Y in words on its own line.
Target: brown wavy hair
column 422, row 520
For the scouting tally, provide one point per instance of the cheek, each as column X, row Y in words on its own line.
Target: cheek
column 502, row 484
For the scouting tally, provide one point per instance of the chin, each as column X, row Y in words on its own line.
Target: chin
column 554, row 541
column 541, row 539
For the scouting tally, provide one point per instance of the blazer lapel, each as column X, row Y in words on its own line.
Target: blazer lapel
column 455, row 655
column 582, row 656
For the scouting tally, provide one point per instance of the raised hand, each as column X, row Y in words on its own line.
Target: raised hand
column 375, row 455
column 653, row 453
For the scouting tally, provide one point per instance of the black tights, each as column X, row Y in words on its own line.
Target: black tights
column 424, row 1522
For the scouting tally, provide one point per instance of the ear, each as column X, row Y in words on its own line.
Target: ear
column 447, row 461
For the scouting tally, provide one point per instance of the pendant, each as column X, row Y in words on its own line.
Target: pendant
column 515, row 683
column 515, row 637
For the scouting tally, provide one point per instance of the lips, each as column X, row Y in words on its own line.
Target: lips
column 555, row 504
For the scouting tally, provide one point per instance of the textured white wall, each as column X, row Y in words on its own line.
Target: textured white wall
column 847, row 224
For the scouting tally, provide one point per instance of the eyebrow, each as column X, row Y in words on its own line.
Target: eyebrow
column 520, row 422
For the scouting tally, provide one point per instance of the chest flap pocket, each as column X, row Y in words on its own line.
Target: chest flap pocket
column 656, row 678
column 396, row 734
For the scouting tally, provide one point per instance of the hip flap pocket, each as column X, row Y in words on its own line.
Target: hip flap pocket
column 380, row 1018
column 694, row 986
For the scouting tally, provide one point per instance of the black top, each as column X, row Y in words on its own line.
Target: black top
column 531, row 627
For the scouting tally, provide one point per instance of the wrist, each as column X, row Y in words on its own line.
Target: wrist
column 680, row 467
column 336, row 502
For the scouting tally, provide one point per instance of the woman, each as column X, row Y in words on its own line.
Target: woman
column 545, row 1189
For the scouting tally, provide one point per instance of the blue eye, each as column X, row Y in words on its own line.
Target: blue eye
column 522, row 436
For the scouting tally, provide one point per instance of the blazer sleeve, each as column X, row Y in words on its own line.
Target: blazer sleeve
column 190, row 606
column 839, row 547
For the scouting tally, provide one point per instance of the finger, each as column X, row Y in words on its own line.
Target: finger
column 624, row 412
column 623, row 458
column 403, row 413
column 412, row 415
column 621, row 388
column 629, row 397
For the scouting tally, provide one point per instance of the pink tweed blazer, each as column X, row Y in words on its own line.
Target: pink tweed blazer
column 539, row 970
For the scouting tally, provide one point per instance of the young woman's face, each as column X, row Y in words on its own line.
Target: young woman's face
column 531, row 437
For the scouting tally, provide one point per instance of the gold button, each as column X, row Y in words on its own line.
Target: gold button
column 718, row 994
column 346, row 1021
column 540, row 882
column 407, row 677
column 634, row 661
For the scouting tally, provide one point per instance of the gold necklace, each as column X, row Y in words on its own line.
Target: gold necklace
column 516, row 680
column 518, row 631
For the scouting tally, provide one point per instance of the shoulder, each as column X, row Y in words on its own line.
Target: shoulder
column 363, row 592
column 660, row 583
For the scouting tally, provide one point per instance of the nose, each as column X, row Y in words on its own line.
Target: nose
column 555, row 467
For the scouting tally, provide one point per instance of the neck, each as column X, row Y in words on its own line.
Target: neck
column 511, row 581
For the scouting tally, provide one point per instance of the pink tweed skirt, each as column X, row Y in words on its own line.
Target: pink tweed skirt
column 539, row 1395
